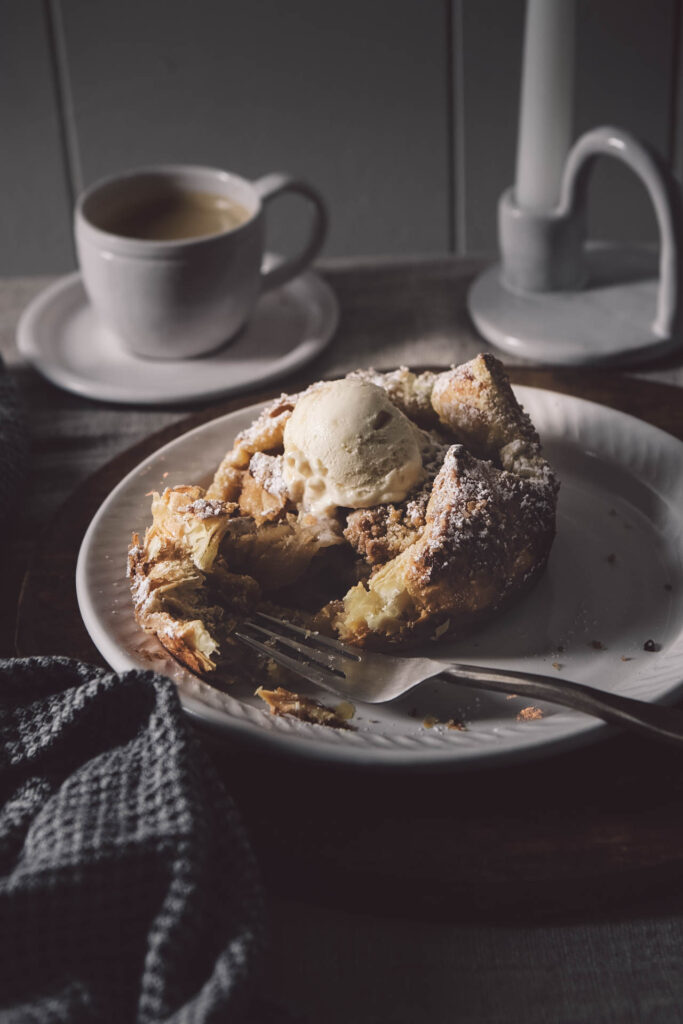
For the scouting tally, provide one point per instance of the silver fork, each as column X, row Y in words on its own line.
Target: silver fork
column 375, row 678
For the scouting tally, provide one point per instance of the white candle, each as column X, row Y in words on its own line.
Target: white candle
column 546, row 106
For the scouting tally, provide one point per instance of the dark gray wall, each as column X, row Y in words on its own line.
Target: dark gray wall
column 403, row 112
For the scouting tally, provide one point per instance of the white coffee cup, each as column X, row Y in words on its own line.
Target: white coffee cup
column 183, row 297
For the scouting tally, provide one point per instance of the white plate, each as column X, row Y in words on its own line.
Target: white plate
column 61, row 335
column 615, row 578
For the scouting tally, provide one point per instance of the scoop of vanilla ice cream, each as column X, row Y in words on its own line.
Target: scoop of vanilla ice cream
column 346, row 444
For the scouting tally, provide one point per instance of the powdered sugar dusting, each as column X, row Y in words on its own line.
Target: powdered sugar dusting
column 485, row 515
column 206, row 508
column 268, row 471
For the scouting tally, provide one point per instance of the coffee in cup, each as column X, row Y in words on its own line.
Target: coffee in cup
column 176, row 214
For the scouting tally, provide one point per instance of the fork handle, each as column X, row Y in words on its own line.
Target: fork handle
column 654, row 720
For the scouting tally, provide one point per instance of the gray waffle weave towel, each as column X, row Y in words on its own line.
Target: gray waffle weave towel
column 13, row 442
column 127, row 887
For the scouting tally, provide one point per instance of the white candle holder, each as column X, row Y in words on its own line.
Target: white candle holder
column 557, row 300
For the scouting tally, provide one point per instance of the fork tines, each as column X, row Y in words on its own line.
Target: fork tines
column 309, row 654
column 309, row 639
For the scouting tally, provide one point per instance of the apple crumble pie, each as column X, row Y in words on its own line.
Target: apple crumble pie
column 384, row 509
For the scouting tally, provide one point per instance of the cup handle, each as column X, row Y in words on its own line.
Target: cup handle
column 268, row 188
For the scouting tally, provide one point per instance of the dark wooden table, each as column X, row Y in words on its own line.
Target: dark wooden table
column 545, row 892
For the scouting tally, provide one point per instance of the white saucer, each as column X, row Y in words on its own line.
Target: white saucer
column 61, row 335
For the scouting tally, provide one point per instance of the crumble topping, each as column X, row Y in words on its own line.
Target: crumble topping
column 529, row 714
column 452, row 724
column 480, row 513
